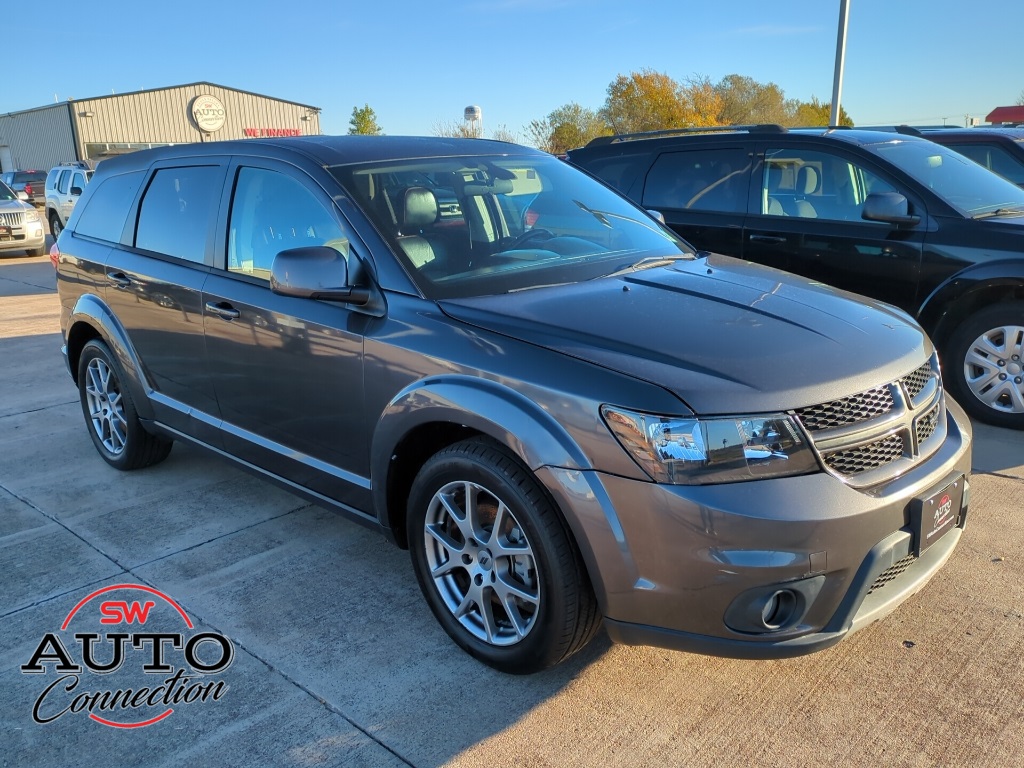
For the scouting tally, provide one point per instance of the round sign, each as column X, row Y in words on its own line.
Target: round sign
column 208, row 112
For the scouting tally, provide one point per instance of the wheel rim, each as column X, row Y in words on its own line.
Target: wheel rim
column 55, row 227
column 994, row 368
column 481, row 563
column 106, row 407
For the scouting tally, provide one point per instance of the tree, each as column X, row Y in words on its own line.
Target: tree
column 565, row 128
column 645, row 101
column 703, row 104
column 813, row 112
column 1020, row 99
column 502, row 133
column 458, row 129
column 364, row 122
column 746, row 101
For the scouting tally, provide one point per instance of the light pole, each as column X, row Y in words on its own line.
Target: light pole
column 837, row 81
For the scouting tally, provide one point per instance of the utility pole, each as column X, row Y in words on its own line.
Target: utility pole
column 837, row 82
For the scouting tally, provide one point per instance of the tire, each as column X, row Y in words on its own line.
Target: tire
column 983, row 365
column 36, row 252
column 55, row 226
column 110, row 413
column 518, row 599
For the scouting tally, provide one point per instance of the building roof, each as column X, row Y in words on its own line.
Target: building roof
column 1006, row 115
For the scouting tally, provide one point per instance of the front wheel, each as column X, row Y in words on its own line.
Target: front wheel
column 496, row 562
column 985, row 364
column 110, row 414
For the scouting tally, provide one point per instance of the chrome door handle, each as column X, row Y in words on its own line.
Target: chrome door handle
column 223, row 310
column 119, row 279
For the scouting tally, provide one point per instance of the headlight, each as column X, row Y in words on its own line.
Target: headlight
column 691, row 451
column 32, row 215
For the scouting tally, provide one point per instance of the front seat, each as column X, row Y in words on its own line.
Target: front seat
column 417, row 209
column 807, row 183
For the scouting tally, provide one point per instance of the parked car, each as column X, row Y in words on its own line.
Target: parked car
column 894, row 217
column 29, row 182
column 561, row 410
column 64, row 185
column 21, row 227
column 998, row 148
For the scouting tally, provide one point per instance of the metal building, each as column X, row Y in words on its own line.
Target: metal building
column 99, row 127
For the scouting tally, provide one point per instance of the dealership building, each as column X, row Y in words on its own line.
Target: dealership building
column 99, row 127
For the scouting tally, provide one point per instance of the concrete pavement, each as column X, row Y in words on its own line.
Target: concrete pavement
column 338, row 661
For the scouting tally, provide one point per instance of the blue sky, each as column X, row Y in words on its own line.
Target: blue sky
column 419, row 64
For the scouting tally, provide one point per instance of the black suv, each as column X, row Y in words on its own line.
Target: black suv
column 498, row 362
column 890, row 216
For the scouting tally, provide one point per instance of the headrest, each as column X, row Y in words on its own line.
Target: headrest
column 419, row 208
column 807, row 180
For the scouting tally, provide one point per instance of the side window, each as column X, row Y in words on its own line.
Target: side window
column 618, row 171
column 177, row 210
column 78, row 181
column 816, row 185
column 994, row 158
column 62, row 182
column 105, row 212
column 272, row 212
column 702, row 180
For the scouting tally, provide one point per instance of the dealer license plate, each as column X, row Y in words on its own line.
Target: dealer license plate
column 936, row 514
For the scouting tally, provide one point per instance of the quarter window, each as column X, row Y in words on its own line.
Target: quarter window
column 272, row 212
column 177, row 211
column 105, row 214
column 703, row 180
column 816, row 185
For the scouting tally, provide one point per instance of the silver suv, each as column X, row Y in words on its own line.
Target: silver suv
column 64, row 185
column 21, row 228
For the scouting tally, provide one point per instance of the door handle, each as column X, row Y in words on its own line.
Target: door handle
column 223, row 310
column 767, row 239
column 119, row 279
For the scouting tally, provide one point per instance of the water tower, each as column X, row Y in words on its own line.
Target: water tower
column 474, row 116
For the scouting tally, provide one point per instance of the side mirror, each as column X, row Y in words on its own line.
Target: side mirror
column 314, row 272
column 76, row 191
column 888, row 207
column 22, row 195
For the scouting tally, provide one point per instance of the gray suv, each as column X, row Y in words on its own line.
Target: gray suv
column 563, row 412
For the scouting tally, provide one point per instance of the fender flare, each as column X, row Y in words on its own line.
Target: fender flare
column 1005, row 275
column 92, row 311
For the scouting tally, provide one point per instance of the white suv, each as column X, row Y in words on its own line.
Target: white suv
column 64, row 185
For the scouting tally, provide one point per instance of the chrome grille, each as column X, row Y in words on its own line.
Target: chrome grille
column 849, row 410
column 892, row 573
column 916, row 381
column 925, row 426
column 853, row 461
column 12, row 219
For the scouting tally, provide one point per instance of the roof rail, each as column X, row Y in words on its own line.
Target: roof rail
column 758, row 128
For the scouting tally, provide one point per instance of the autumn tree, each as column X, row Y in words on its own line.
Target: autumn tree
column 458, row 129
column 565, row 128
column 746, row 101
column 364, row 122
column 645, row 101
column 814, row 112
column 703, row 104
column 502, row 133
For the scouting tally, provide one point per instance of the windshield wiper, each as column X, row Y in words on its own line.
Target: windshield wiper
column 649, row 262
column 1018, row 211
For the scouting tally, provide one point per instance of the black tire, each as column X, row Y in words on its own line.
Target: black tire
column 55, row 225
column 110, row 414
column 36, row 252
column 551, row 611
column 983, row 364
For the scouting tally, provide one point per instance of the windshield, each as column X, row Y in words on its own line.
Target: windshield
column 472, row 226
column 968, row 187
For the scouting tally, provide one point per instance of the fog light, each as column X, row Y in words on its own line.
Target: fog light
column 778, row 609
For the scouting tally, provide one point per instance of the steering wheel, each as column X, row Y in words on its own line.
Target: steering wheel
column 527, row 236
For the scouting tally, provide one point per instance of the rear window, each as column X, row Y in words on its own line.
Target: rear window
column 25, row 177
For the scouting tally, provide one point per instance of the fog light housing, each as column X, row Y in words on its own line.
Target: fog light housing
column 774, row 607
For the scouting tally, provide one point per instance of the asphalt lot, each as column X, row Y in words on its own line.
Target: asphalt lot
column 338, row 661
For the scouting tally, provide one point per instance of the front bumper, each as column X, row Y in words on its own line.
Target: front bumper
column 25, row 237
column 669, row 563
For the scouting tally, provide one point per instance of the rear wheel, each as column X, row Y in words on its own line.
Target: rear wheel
column 496, row 562
column 985, row 364
column 110, row 413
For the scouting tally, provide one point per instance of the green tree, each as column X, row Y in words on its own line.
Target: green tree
column 364, row 122
column 814, row 112
column 565, row 128
column 645, row 101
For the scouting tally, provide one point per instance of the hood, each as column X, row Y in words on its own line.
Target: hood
column 726, row 336
column 12, row 206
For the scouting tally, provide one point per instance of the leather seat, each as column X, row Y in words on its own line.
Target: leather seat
column 808, row 181
column 417, row 210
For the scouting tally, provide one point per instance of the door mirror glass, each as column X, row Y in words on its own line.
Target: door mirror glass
column 314, row 272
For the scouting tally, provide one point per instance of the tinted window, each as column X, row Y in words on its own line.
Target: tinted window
column 177, row 210
column 708, row 180
column 619, row 171
column 816, row 185
column 272, row 212
column 105, row 212
column 995, row 158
